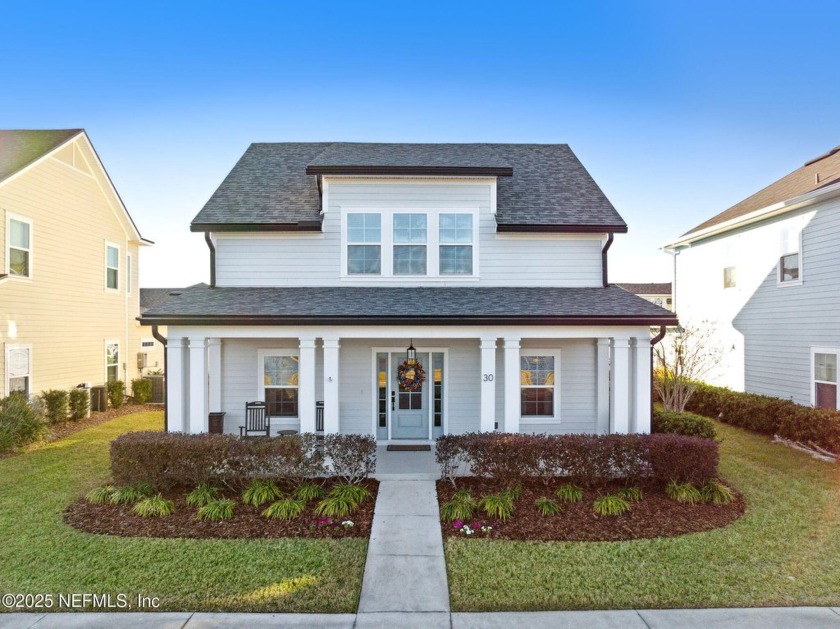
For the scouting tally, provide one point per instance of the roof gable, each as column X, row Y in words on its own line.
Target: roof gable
column 21, row 147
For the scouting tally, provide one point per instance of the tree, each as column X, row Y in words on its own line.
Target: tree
column 682, row 360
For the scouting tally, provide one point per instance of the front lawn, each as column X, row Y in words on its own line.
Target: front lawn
column 40, row 554
column 782, row 552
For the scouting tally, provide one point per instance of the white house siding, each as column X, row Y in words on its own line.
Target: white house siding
column 314, row 259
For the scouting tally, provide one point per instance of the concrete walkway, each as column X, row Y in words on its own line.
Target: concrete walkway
column 753, row 618
column 405, row 570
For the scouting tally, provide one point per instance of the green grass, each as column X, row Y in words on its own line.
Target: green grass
column 41, row 554
column 784, row 551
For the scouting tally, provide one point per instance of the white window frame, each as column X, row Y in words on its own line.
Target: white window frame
column 472, row 244
column 734, row 277
column 18, row 346
column 387, row 245
column 22, row 219
column 541, row 419
column 824, row 350
column 107, row 268
column 119, row 356
column 262, row 354
column 787, row 251
column 346, row 244
column 128, row 268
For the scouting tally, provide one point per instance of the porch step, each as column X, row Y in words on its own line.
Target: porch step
column 396, row 476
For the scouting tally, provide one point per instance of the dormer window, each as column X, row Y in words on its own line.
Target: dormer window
column 410, row 235
column 364, row 244
column 456, row 250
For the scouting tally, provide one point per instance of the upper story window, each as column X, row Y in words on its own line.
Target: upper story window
column 20, row 247
column 364, row 244
column 427, row 244
column 729, row 277
column 790, row 260
column 112, row 267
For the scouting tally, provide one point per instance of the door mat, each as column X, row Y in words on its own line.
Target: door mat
column 417, row 448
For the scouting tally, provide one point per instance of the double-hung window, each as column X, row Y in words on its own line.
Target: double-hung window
column 790, row 259
column 364, row 243
column 729, row 277
column 538, row 384
column 112, row 361
column 20, row 247
column 279, row 372
column 112, row 267
column 825, row 378
column 456, row 244
column 18, row 368
column 410, row 237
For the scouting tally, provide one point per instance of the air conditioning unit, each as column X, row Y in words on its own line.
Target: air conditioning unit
column 142, row 359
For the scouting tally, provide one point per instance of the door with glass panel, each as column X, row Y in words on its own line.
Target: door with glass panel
column 409, row 409
column 408, row 422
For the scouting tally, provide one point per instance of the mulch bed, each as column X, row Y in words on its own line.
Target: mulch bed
column 247, row 523
column 655, row 515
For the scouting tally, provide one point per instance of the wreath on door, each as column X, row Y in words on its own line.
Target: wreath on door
column 411, row 375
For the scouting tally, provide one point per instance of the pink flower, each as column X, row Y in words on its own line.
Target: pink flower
column 458, row 524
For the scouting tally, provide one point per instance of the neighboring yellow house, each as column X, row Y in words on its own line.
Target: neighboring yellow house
column 69, row 299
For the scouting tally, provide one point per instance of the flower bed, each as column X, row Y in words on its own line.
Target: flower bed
column 654, row 515
column 247, row 521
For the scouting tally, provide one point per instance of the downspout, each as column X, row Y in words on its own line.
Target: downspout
column 162, row 340
column 212, row 247
column 653, row 342
column 604, row 259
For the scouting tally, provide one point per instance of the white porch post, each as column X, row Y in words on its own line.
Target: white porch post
column 488, row 384
column 198, row 385
column 214, row 362
column 331, row 347
column 641, row 396
column 512, row 385
column 306, row 384
column 620, row 390
column 175, row 385
column 603, row 385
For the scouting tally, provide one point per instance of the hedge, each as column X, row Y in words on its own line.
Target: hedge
column 769, row 415
column 20, row 422
column 141, row 390
column 55, row 405
column 168, row 461
column 687, row 424
column 582, row 459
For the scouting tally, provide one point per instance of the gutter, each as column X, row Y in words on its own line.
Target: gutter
column 212, row 247
column 162, row 340
column 606, row 248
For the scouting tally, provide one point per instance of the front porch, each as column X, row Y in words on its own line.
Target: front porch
column 553, row 379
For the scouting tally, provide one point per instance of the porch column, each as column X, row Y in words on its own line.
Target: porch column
column 306, row 384
column 331, row 346
column 488, row 384
column 214, row 365
column 640, row 422
column 198, row 385
column 175, row 385
column 602, row 407
column 512, row 385
column 620, row 389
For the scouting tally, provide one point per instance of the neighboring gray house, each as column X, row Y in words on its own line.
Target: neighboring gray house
column 656, row 293
column 332, row 264
column 766, row 273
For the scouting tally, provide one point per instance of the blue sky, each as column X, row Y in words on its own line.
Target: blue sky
column 678, row 109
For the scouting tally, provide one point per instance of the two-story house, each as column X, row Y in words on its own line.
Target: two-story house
column 410, row 290
column 68, row 277
column 765, row 274
column 656, row 293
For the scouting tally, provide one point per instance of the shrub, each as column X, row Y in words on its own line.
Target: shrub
column 116, row 393
column 716, row 493
column 687, row 459
column 261, row 491
column 356, row 494
column 100, row 495
column 286, row 509
column 202, row 495
column 449, row 456
column 546, row 506
column 217, row 510
column 309, row 491
column 611, row 505
column 631, row 494
column 55, row 405
column 79, row 403
column 353, row 456
column 154, row 507
column 569, row 493
column 687, row 424
column 498, row 506
column 20, row 422
column 141, row 390
column 335, row 507
column 457, row 510
column 683, row 492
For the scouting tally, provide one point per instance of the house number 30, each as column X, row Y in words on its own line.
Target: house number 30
column 488, row 377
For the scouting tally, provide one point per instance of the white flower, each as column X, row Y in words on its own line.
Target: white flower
column 347, row 523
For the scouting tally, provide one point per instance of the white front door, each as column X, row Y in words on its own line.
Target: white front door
column 409, row 409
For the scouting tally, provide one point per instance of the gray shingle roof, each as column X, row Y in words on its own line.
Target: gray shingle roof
column 151, row 297
column 395, row 305
column 21, row 147
column 548, row 188
column 648, row 289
